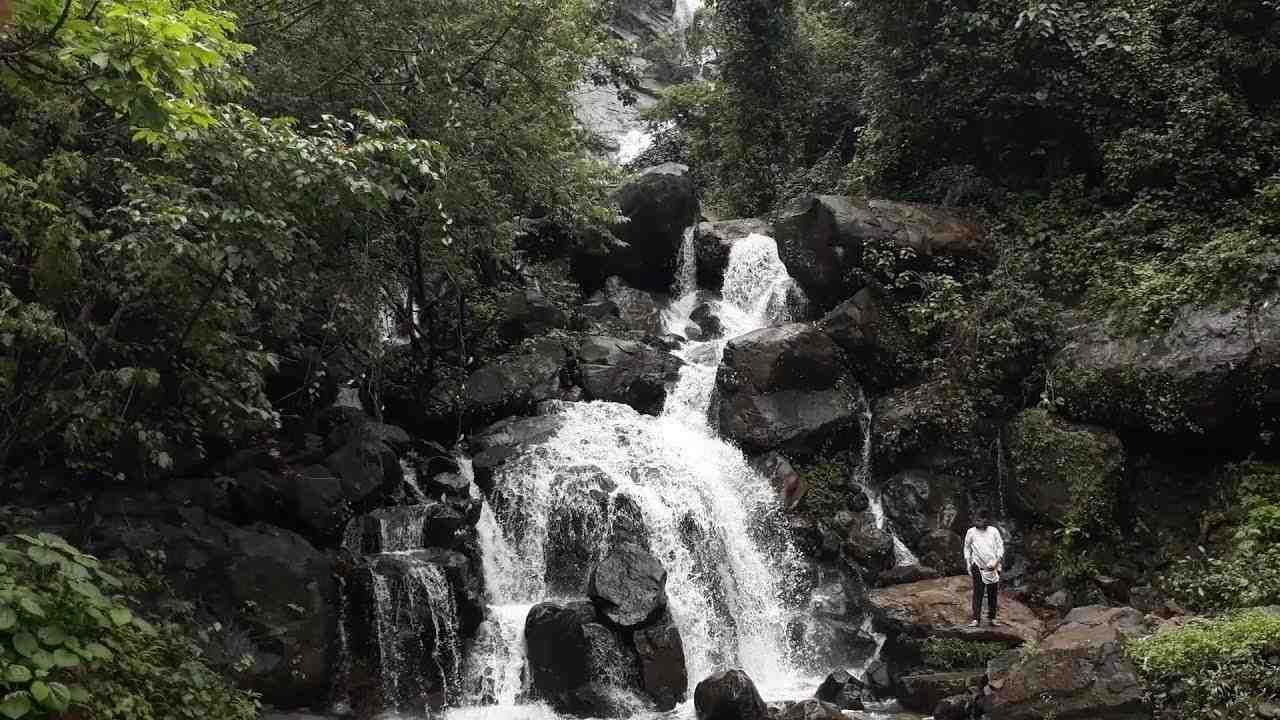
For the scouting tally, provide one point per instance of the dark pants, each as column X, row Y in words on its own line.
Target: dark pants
column 978, row 587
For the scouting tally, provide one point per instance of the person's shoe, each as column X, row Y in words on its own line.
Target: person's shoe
column 993, row 623
column 973, row 623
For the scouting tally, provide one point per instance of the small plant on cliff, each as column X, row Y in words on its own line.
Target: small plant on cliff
column 69, row 644
column 1212, row 669
column 946, row 654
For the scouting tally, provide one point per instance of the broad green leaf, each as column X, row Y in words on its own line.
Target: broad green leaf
column 42, row 659
column 64, row 658
column 15, row 705
column 40, row 691
column 44, row 556
column 121, row 615
column 59, row 697
column 17, row 674
column 25, row 643
column 98, row 650
column 8, row 618
column 32, row 607
column 52, row 635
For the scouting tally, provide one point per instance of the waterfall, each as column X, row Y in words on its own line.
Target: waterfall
column 399, row 619
column 708, row 516
column 902, row 555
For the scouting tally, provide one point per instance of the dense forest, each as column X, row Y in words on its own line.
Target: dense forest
column 256, row 257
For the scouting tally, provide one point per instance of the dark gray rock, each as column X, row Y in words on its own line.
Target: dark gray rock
column 728, row 695
column 365, row 466
column 924, row 692
column 577, row 664
column 876, row 339
column 659, row 203
column 821, row 239
column 628, row 586
column 709, row 325
column 943, row 550
column 784, row 388
column 918, row 502
column 789, row 484
column 903, row 574
column 842, row 690
column 514, row 384
column 528, row 313
column 811, row 709
column 1212, row 371
column 498, row 444
column 627, row 372
column 663, row 674
column 955, row 707
column 867, row 545
column 577, row 527
column 625, row 308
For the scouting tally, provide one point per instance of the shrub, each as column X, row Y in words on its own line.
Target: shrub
column 1212, row 669
column 946, row 655
column 70, row 643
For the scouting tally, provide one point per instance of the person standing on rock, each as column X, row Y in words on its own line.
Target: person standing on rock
column 983, row 555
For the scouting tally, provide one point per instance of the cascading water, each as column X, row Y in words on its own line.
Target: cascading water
column 399, row 634
column 706, row 512
column 902, row 555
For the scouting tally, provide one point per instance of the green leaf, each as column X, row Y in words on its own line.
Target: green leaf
column 64, row 658
column 52, row 635
column 40, row 691
column 42, row 659
column 121, row 615
column 59, row 697
column 44, row 556
column 17, row 674
column 101, row 59
column 25, row 643
column 99, row 651
column 32, row 607
column 8, row 618
column 15, row 705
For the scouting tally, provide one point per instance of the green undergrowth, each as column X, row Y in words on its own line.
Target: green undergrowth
column 948, row 654
column 1217, row 668
column 72, row 645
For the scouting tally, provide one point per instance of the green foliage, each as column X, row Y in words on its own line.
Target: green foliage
column 154, row 62
column 1247, row 573
column 68, row 642
column 828, row 491
column 1212, row 668
column 947, row 654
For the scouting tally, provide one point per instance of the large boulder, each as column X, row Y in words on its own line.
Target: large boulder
column 627, row 372
column 268, row 581
column 875, row 337
column 842, row 690
column 576, row 664
column 628, row 586
column 941, row 609
column 943, row 550
column 495, row 446
column 924, row 692
column 1080, row 671
column 728, row 695
column 1212, row 371
column 784, row 388
column 528, row 313
column 1056, row 467
column 621, row 307
column 514, row 384
column 918, row 502
column 663, row 675
column 821, row 240
column 782, row 476
column 659, row 204
column 714, row 240
column 868, row 545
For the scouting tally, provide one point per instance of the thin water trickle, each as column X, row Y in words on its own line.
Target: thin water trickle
column 902, row 554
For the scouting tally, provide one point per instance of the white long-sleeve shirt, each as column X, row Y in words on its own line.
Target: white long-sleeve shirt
column 982, row 548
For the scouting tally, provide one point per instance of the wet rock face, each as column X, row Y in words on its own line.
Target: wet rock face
column 821, row 238
column 729, row 695
column 867, row 545
column 925, row 692
column 528, row 313
column 1090, row 681
column 784, row 388
column 575, row 663
column 627, row 372
column 663, row 674
column 620, row 307
column 628, row 586
column 660, row 203
column 875, row 338
column 1212, row 371
column 714, row 240
column 842, row 690
column 496, row 445
column 514, row 384
column 918, row 502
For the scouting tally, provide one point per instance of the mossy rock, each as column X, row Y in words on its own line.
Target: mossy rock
column 1063, row 472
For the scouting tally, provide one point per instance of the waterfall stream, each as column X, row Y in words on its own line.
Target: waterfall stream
column 710, row 518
